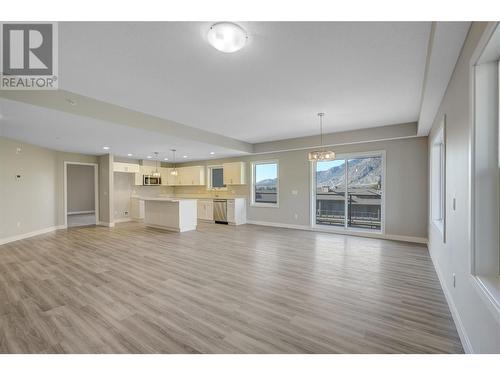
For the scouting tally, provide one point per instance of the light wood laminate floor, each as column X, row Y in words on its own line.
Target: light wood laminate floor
column 220, row 289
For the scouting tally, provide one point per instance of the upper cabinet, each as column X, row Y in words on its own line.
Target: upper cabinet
column 234, row 173
column 166, row 177
column 125, row 167
column 190, row 176
column 186, row 176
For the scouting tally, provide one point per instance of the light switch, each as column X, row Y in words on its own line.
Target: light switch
column 295, row 192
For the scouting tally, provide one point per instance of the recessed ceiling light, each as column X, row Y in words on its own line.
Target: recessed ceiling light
column 185, row 156
column 71, row 101
column 165, row 159
column 129, row 154
column 212, row 153
column 105, row 147
column 227, row 37
column 149, row 156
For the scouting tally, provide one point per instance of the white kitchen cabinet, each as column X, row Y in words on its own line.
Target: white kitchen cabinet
column 236, row 211
column 138, row 178
column 205, row 209
column 166, row 177
column 147, row 170
column 137, row 209
column 125, row 167
column 234, row 173
column 190, row 176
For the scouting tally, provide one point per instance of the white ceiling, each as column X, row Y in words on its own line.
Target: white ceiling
column 67, row 132
column 361, row 74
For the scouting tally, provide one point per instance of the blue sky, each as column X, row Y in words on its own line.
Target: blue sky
column 265, row 171
column 324, row 165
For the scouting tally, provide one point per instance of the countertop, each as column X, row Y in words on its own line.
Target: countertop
column 164, row 199
column 183, row 197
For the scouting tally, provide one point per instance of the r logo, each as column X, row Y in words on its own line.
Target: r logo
column 27, row 49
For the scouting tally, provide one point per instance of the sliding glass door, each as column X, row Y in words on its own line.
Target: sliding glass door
column 348, row 192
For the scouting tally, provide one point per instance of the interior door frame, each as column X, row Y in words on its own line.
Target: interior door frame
column 96, row 189
column 345, row 228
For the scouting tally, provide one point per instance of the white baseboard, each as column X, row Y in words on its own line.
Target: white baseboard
column 30, row 234
column 105, row 224
column 347, row 233
column 123, row 220
column 279, row 225
column 464, row 338
column 396, row 237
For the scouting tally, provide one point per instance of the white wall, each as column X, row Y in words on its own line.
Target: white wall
column 476, row 322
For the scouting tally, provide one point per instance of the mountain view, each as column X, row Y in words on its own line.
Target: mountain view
column 362, row 173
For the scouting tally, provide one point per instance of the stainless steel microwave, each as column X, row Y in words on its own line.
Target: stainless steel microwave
column 151, row 180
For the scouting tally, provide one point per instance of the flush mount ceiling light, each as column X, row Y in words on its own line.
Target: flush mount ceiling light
column 129, row 154
column 105, row 147
column 321, row 154
column 227, row 37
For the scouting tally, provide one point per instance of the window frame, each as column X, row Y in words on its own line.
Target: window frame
column 253, row 203
column 209, row 180
column 438, row 172
column 488, row 286
column 345, row 228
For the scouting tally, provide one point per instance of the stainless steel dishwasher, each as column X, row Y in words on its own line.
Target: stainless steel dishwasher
column 220, row 211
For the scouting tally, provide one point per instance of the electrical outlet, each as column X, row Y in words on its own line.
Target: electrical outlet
column 454, row 281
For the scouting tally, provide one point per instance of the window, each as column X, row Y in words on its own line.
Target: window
column 265, row 184
column 348, row 192
column 485, row 169
column 216, row 177
column 438, row 173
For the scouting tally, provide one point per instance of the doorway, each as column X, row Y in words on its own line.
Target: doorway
column 81, row 194
column 348, row 192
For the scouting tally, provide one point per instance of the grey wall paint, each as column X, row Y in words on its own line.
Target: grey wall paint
column 106, row 189
column 36, row 201
column 61, row 158
column 80, row 188
column 406, row 185
column 31, row 200
column 476, row 318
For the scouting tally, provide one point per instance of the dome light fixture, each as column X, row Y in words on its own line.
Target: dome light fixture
column 227, row 37
column 321, row 154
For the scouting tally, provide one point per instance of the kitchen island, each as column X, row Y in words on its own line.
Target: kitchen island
column 179, row 215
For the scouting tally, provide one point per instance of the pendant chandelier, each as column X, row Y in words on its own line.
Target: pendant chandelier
column 321, row 154
column 156, row 173
column 174, row 172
